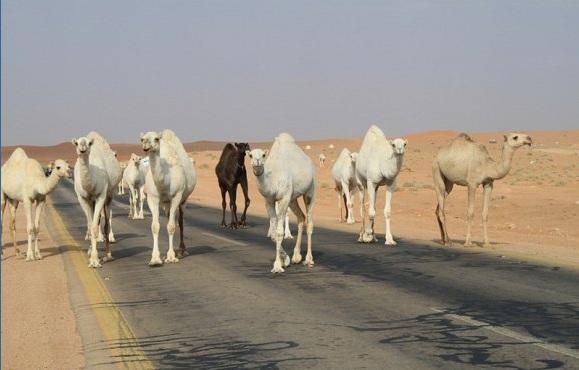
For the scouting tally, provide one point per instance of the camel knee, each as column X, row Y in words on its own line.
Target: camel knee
column 155, row 227
column 171, row 228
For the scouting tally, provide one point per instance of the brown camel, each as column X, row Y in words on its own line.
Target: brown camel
column 230, row 171
column 466, row 163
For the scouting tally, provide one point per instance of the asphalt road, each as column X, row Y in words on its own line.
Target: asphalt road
column 415, row 306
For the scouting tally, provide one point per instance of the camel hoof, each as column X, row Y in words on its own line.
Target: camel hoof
column 467, row 245
column 277, row 270
column 390, row 242
column 94, row 264
column 182, row 253
column 171, row 260
column 156, row 262
column 367, row 238
column 108, row 258
column 297, row 259
column 309, row 263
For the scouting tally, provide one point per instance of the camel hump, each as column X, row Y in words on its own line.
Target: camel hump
column 18, row 153
column 284, row 137
column 375, row 132
column 169, row 135
column 463, row 136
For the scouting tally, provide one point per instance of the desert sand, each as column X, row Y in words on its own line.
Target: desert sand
column 534, row 215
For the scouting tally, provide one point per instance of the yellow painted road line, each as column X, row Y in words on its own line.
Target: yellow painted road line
column 123, row 344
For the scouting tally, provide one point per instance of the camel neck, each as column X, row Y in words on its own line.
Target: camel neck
column 86, row 181
column 500, row 169
column 49, row 183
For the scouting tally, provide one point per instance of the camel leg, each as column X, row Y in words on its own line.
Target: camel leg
column 39, row 207
column 155, row 226
column 295, row 207
column 110, row 233
column 488, row 188
column 182, row 251
column 281, row 258
column 243, row 184
column 349, row 203
column 469, row 215
column 94, row 234
column 387, row 213
column 339, row 192
column 12, row 206
column 223, row 205
column 28, row 209
column 141, row 216
column 287, row 234
column 363, row 215
column 132, row 202
column 309, row 201
column 171, row 229
column 361, row 199
column 271, row 214
column 369, row 236
column 233, row 206
column 107, row 213
column 442, row 190
column 87, row 209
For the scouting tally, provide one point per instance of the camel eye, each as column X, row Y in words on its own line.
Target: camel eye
column 58, row 167
column 516, row 137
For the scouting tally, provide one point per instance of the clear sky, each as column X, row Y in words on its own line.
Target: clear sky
column 245, row 70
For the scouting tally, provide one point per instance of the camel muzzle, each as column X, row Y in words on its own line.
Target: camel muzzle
column 258, row 170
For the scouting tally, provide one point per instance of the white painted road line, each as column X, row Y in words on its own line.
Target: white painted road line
column 241, row 244
column 527, row 339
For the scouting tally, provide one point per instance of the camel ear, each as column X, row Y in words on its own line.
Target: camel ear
column 405, row 142
column 248, row 153
column 73, row 140
column 505, row 138
column 142, row 135
column 90, row 142
column 265, row 153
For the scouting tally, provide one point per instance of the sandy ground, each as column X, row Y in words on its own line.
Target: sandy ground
column 534, row 215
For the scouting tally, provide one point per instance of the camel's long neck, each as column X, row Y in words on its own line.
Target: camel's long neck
column 157, row 169
column 241, row 160
column 498, row 170
column 86, row 180
column 49, row 184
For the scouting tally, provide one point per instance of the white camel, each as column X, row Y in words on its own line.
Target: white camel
column 344, row 174
column 121, row 185
column 23, row 180
column 170, row 180
column 96, row 176
column 284, row 176
column 466, row 163
column 378, row 163
column 134, row 176
column 322, row 159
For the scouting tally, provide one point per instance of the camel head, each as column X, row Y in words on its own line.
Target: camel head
column 398, row 146
column 135, row 159
column 151, row 141
column 257, row 157
column 354, row 157
column 517, row 140
column 242, row 148
column 61, row 168
column 82, row 145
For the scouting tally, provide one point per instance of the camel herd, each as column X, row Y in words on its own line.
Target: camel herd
column 284, row 174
